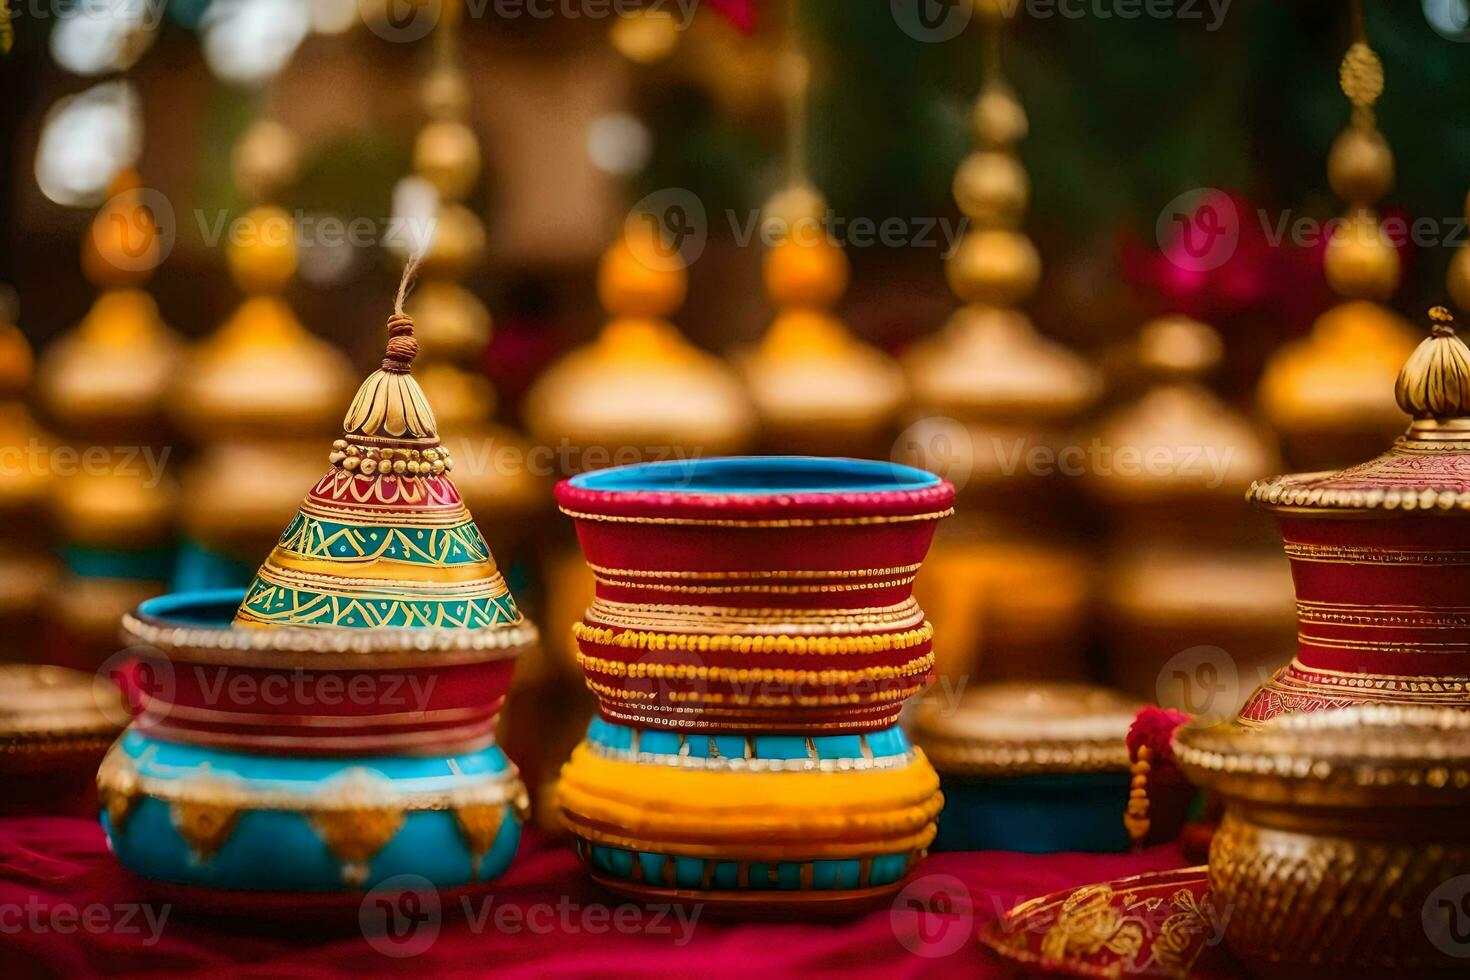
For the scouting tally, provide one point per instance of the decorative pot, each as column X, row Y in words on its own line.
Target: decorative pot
column 751, row 643
column 1033, row 767
column 1380, row 556
column 333, row 725
column 1344, row 849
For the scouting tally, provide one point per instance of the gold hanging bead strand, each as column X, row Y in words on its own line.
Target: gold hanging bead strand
column 995, row 263
column 1361, row 263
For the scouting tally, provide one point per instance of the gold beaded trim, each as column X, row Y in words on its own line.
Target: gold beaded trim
column 760, row 589
column 1283, row 492
column 782, row 522
column 762, row 574
column 375, row 461
column 754, row 621
column 886, row 713
column 1019, row 758
column 754, row 700
column 819, row 645
column 1420, row 747
column 46, row 743
column 919, row 665
column 284, row 646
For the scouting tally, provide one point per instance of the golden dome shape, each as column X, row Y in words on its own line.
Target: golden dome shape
column 990, row 362
column 818, row 388
column 1330, row 394
column 1179, row 441
column 640, row 384
column 112, row 372
column 261, row 375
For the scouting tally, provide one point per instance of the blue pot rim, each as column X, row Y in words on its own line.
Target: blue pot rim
column 758, row 476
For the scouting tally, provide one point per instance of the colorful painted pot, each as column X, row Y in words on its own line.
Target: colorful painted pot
column 1032, row 767
column 267, row 766
column 751, row 644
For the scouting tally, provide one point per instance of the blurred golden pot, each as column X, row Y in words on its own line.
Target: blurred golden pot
column 1344, row 850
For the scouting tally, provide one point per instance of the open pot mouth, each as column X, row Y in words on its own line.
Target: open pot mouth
column 799, row 490
column 198, row 626
column 760, row 475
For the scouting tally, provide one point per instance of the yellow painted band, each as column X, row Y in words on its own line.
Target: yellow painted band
column 669, row 805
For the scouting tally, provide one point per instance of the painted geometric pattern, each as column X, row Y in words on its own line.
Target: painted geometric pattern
column 312, row 537
column 266, row 602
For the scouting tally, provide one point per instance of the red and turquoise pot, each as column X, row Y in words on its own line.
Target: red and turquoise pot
column 296, row 768
column 751, row 643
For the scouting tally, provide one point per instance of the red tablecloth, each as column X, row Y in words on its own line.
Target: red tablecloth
column 68, row 909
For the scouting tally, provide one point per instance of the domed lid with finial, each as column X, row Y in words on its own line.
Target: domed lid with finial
column 641, row 384
column 384, row 539
column 1428, row 468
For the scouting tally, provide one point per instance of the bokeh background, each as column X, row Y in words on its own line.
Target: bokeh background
column 1133, row 120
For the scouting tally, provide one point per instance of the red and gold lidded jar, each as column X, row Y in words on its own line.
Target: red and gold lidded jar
column 1380, row 556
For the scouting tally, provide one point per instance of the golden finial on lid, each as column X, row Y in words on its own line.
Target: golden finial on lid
column 1435, row 381
column 390, row 404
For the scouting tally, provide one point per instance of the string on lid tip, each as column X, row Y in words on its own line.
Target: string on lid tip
column 402, row 345
column 1442, row 322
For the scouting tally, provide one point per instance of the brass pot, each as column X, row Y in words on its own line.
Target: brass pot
column 1344, row 849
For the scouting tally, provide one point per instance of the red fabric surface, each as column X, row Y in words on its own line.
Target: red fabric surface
column 61, row 868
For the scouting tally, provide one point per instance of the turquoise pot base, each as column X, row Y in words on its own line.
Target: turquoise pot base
column 1042, row 814
column 275, row 847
